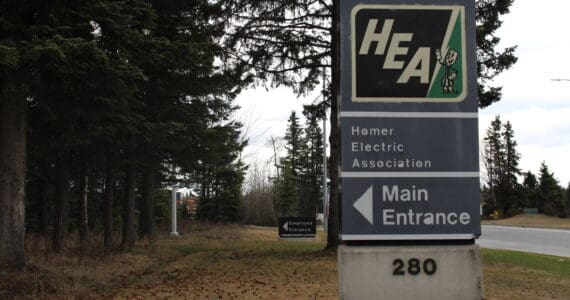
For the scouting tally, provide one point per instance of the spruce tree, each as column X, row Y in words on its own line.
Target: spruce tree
column 285, row 193
column 550, row 199
column 490, row 60
column 312, row 162
column 512, row 157
column 125, row 86
column 509, row 188
column 501, row 160
column 219, row 172
column 530, row 190
column 493, row 155
column 287, row 189
column 293, row 143
column 38, row 40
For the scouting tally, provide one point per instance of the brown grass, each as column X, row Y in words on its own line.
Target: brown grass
column 228, row 262
column 538, row 221
column 522, row 283
column 516, row 275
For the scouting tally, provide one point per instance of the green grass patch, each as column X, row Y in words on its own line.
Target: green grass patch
column 550, row 264
column 188, row 250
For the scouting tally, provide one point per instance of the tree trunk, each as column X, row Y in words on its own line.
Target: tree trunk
column 275, row 156
column 61, row 203
column 128, row 240
column 147, row 213
column 43, row 206
column 334, row 203
column 83, row 217
column 12, row 178
column 109, row 185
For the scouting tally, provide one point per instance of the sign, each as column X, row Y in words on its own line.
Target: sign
column 408, row 53
column 410, row 208
column 408, row 144
column 409, row 122
column 292, row 227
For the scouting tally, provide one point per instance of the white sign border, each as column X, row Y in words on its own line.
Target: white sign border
column 401, row 237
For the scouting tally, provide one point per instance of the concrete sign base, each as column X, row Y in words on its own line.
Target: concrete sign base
column 410, row 272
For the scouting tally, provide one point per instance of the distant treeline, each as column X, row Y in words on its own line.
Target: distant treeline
column 503, row 195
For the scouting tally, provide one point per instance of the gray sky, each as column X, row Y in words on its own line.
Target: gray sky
column 538, row 107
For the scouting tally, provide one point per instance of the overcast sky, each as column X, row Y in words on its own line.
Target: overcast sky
column 537, row 106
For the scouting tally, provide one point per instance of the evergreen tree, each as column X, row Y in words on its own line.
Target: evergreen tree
column 284, row 42
column 185, row 93
column 491, row 61
column 287, row 189
column 530, row 190
column 298, row 191
column 38, row 40
column 311, row 179
column 285, row 193
column 501, row 161
column 567, row 202
column 111, row 86
column 512, row 157
column 493, row 156
column 510, row 197
column 220, row 173
column 550, row 199
column 293, row 143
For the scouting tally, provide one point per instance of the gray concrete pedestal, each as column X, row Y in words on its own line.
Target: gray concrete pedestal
column 410, row 272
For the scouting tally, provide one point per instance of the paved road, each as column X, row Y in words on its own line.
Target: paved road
column 545, row 241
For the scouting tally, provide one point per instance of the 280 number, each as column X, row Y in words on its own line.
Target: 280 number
column 415, row 267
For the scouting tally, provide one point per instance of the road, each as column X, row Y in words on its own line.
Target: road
column 537, row 240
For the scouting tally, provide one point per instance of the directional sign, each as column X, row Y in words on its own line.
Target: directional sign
column 410, row 208
column 293, row 227
column 409, row 123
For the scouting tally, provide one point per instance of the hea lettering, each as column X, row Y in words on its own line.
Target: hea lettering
column 418, row 66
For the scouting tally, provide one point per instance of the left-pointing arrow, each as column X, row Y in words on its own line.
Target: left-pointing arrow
column 364, row 205
column 286, row 226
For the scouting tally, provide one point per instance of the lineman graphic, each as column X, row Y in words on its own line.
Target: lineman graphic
column 450, row 72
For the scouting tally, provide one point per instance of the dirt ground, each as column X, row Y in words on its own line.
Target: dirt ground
column 229, row 262
column 538, row 221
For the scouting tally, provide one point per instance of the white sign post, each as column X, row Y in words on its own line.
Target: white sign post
column 174, row 230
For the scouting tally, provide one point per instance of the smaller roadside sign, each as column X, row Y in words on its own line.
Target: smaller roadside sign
column 294, row 227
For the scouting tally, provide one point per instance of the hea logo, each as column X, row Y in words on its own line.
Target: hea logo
column 408, row 53
column 418, row 65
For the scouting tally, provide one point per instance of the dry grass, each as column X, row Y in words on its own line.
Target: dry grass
column 517, row 275
column 239, row 262
column 538, row 221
